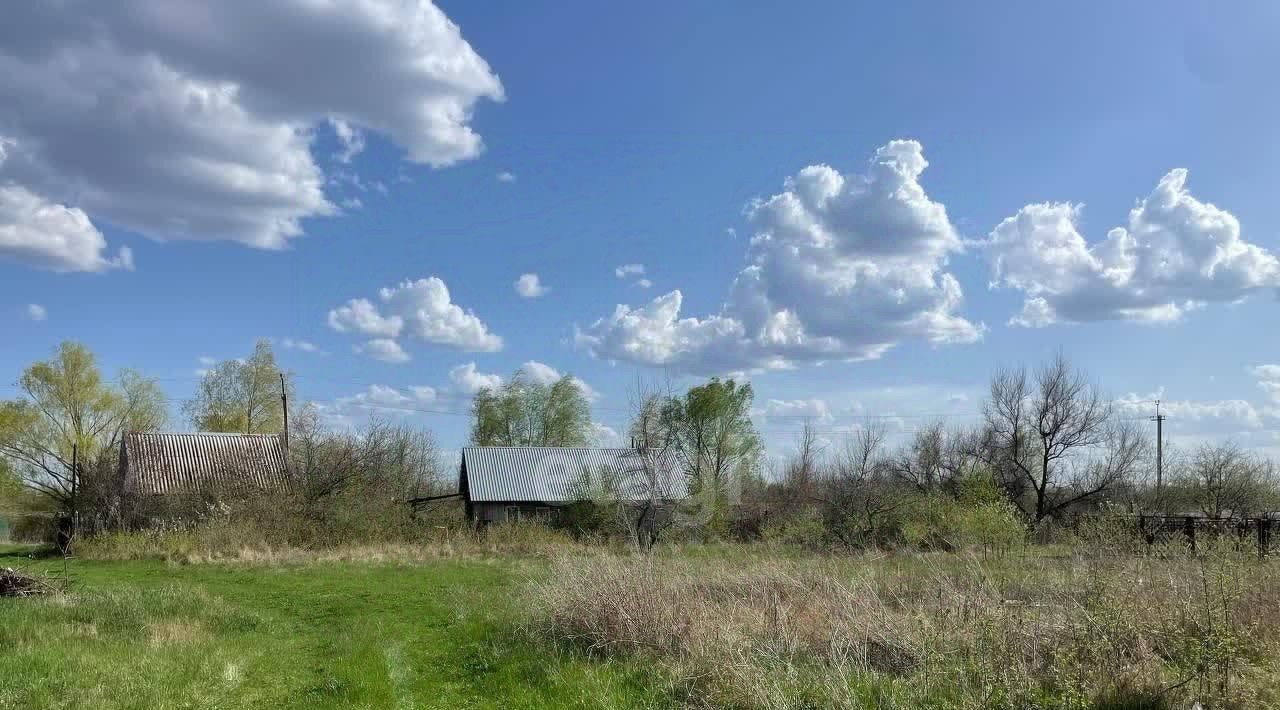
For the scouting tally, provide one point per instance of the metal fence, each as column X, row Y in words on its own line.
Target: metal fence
column 1258, row 533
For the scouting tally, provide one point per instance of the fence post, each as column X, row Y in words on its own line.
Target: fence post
column 1189, row 525
column 1264, row 536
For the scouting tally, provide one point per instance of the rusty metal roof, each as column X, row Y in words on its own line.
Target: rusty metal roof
column 564, row 474
column 160, row 463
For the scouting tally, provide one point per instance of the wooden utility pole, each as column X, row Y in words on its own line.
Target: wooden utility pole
column 1159, row 420
column 284, row 402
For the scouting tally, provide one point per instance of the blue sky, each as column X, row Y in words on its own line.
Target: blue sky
column 262, row 168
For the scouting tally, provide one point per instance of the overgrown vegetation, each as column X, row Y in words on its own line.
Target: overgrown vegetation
column 1012, row 564
column 928, row 631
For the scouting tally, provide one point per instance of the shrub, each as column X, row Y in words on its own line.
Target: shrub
column 34, row 527
column 976, row 519
column 806, row 529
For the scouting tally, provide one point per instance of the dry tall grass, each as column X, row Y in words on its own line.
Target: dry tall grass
column 919, row 631
column 233, row 543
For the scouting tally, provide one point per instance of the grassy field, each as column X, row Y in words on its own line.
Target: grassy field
column 530, row 622
column 145, row 634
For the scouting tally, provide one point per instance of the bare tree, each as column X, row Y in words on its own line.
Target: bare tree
column 1225, row 481
column 936, row 458
column 1042, row 437
column 381, row 460
column 654, row 483
column 859, row 493
column 800, row 477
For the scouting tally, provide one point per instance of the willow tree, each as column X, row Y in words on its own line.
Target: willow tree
column 241, row 396
column 713, row 439
column 522, row 412
column 60, row 437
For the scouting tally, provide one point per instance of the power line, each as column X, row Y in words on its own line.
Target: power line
column 1159, row 419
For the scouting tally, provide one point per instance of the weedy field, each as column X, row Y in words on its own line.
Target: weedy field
column 524, row 622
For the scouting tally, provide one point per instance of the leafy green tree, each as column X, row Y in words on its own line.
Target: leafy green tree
column 522, row 412
column 241, row 396
column 67, row 406
column 712, row 437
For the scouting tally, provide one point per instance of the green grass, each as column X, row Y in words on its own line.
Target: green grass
column 156, row 635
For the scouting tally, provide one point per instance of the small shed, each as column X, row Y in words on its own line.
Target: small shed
column 161, row 464
column 511, row 483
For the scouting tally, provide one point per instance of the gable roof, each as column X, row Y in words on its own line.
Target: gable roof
column 158, row 463
column 552, row 474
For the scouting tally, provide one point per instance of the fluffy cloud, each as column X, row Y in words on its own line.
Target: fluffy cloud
column 421, row 310
column 655, row 334
column 468, row 380
column 361, row 316
column 798, row 409
column 540, row 373
column 377, row 399
column 505, row 176
column 606, row 436
column 46, row 235
column 544, row 374
column 384, row 349
column 530, row 286
column 1177, row 253
column 179, row 119
column 1269, row 380
column 1227, row 412
column 36, row 312
column 839, row 267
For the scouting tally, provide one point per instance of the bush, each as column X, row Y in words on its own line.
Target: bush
column 807, row 530
column 979, row 516
column 34, row 527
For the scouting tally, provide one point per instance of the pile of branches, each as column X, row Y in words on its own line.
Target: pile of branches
column 15, row 583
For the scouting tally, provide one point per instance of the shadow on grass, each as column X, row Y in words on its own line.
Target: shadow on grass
column 20, row 551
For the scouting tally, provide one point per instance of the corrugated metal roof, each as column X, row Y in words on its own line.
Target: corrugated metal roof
column 158, row 463
column 557, row 474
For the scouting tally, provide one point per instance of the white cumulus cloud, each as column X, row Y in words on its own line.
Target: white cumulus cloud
column 38, row 233
column 798, row 409
column 839, row 267
column 37, row 312
column 1175, row 254
column 374, row 400
column 468, row 380
column 530, row 286
column 421, row 310
column 384, row 349
column 544, row 374
column 187, row 120
column 1236, row 412
column 1269, row 381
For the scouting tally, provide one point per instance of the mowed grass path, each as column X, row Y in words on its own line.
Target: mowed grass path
column 157, row 635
